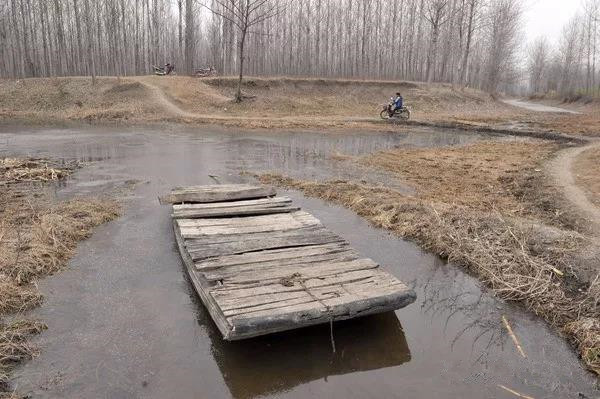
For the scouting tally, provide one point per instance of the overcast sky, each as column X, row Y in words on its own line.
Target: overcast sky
column 547, row 17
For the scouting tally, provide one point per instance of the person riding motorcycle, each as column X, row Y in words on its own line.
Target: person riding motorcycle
column 397, row 103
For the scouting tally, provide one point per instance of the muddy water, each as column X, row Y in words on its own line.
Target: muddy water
column 124, row 321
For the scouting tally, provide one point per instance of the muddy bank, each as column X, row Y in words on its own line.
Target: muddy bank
column 38, row 235
column 124, row 322
column 277, row 103
column 479, row 206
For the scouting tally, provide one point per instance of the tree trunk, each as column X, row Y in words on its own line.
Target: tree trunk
column 238, row 95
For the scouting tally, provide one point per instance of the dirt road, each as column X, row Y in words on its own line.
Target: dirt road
column 173, row 108
column 538, row 107
column 561, row 169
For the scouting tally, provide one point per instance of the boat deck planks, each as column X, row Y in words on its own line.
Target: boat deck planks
column 261, row 265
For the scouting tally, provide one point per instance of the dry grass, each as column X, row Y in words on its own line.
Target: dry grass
column 281, row 102
column 75, row 98
column 278, row 102
column 587, row 174
column 484, row 169
column 15, row 345
column 18, row 170
column 37, row 237
column 586, row 333
column 467, row 208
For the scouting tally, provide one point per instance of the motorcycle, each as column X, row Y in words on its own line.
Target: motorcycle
column 387, row 113
column 163, row 71
column 205, row 72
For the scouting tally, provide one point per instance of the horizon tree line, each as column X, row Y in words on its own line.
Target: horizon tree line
column 462, row 42
column 569, row 67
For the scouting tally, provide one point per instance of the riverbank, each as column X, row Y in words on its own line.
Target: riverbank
column 491, row 207
column 124, row 321
column 272, row 103
column 38, row 236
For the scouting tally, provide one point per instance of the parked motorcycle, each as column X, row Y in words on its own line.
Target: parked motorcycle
column 387, row 113
column 205, row 72
column 163, row 71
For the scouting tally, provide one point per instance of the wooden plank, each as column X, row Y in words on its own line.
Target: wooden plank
column 272, row 201
column 196, row 232
column 216, row 193
column 228, row 292
column 359, row 289
column 322, row 297
column 226, row 274
column 305, row 314
column 261, row 265
column 233, row 212
column 201, row 287
column 298, row 216
column 266, row 256
column 356, row 281
column 274, row 272
column 315, row 232
column 203, row 251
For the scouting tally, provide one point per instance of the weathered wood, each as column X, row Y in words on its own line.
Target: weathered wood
column 264, row 206
column 262, row 220
column 216, row 193
column 316, row 232
column 199, row 231
column 271, row 201
column 262, row 266
column 280, row 254
column 323, row 266
column 203, row 251
column 233, row 212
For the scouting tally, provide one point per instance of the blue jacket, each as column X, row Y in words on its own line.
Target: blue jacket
column 398, row 102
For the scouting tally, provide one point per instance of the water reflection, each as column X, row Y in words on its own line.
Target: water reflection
column 280, row 362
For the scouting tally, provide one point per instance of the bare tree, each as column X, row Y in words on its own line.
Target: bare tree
column 442, row 40
column 472, row 25
column 189, row 36
column 436, row 14
column 538, row 63
column 503, row 25
column 244, row 14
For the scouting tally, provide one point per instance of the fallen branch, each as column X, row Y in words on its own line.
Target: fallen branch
column 515, row 392
column 513, row 336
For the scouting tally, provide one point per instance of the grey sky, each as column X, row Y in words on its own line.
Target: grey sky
column 547, row 17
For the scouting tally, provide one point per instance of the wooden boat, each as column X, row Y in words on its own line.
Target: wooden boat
column 262, row 265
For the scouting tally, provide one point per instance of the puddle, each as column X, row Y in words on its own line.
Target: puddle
column 124, row 322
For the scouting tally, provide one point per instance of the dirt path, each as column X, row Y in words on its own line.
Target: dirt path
column 561, row 169
column 538, row 107
column 173, row 108
column 166, row 102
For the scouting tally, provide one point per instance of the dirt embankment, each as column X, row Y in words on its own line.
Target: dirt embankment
column 586, row 168
column 272, row 102
column 38, row 235
column 492, row 208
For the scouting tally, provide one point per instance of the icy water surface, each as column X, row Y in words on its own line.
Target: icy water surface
column 124, row 322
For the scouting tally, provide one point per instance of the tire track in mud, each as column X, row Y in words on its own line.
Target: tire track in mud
column 561, row 171
column 166, row 102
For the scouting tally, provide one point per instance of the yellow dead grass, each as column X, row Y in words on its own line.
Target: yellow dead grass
column 477, row 206
column 37, row 237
